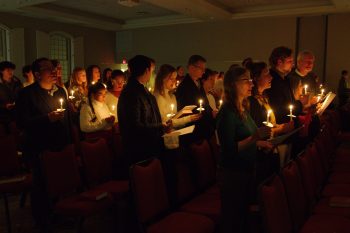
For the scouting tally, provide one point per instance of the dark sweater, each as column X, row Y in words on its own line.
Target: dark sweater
column 231, row 129
column 32, row 108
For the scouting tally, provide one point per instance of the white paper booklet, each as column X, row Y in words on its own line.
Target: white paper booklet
column 280, row 139
column 328, row 100
column 186, row 110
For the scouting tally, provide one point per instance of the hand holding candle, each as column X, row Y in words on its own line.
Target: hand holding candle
column 267, row 122
column 220, row 103
column 200, row 105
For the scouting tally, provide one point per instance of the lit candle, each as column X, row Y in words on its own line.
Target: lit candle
column 322, row 92
column 93, row 82
column 268, row 116
column 305, row 88
column 150, row 89
column 177, row 83
column 200, row 105
column 71, row 94
column 113, row 108
column 291, row 112
column 321, row 86
column 318, row 98
column 61, row 102
column 220, row 103
column 172, row 108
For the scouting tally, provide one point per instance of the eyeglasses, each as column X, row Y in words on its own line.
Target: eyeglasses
column 199, row 67
column 247, row 80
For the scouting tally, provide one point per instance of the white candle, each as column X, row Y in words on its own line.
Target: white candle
column 177, row 83
column 113, row 107
column 149, row 89
column 291, row 112
column 61, row 102
column 318, row 98
column 268, row 116
column 322, row 92
column 72, row 92
column 305, row 88
column 200, row 105
column 220, row 103
column 172, row 108
column 93, row 82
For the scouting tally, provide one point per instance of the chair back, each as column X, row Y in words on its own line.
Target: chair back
column 274, row 206
column 9, row 164
column 205, row 165
column 97, row 161
column 295, row 194
column 61, row 172
column 149, row 190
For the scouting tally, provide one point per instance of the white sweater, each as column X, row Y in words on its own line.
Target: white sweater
column 102, row 112
column 164, row 105
column 112, row 100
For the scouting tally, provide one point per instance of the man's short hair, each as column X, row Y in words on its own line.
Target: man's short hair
column 304, row 53
column 344, row 72
column 7, row 65
column 279, row 53
column 36, row 65
column 194, row 59
column 138, row 65
column 26, row 69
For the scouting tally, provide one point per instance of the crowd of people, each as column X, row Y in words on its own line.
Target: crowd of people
column 243, row 107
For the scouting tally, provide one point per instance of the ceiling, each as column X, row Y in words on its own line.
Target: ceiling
column 116, row 15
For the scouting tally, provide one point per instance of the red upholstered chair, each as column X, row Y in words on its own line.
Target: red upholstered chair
column 97, row 161
column 63, row 180
column 152, row 206
column 277, row 217
column 205, row 165
column 11, row 181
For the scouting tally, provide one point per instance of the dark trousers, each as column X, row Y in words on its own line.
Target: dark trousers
column 236, row 189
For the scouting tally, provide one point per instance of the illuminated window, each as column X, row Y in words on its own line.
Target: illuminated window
column 61, row 49
column 4, row 44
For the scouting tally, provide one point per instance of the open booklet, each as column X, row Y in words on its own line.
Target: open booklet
column 184, row 111
column 183, row 131
column 280, row 139
column 327, row 101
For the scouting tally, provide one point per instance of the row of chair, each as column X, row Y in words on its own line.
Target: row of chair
column 300, row 198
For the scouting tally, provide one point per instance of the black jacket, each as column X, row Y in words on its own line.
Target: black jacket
column 280, row 97
column 140, row 122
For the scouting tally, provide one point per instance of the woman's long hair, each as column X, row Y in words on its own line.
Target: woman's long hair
column 164, row 72
column 83, row 88
column 256, row 68
column 230, row 90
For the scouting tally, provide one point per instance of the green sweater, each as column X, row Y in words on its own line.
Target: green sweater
column 231, row 129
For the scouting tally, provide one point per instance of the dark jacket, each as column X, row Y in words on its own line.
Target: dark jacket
column 257, row 111
column 280, row 97
column 188, row 93
column 8, row 94
column 140, row 122
column 32, row 108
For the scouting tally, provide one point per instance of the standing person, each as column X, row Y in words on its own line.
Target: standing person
column 239, row 139
column 166, row 100
column 180, row 70
column 27, row 75
column 93, row 74
column 78, row 86
column 280, row 95
column 140, row 122
column 189, row 92
column 343, row 88
column 9, row 88
column 106, row 75
column 207, row 83
column 44, row 126
column 115, row 86
column 58, row 66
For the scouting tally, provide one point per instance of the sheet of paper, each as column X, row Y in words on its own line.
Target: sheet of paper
column 183, row 131
column 328, row 100
column 280, row 139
